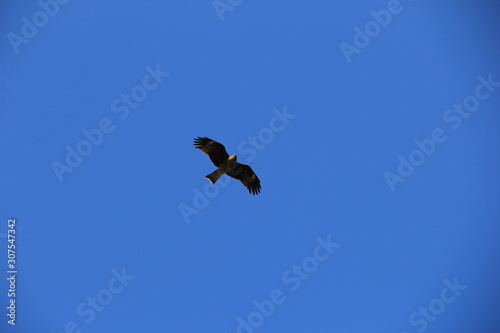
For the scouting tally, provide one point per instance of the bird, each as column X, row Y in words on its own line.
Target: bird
column 227, row 165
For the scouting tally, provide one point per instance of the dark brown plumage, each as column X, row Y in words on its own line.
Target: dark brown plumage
column 227, row 165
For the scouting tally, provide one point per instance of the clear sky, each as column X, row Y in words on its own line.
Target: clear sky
column 372, row 125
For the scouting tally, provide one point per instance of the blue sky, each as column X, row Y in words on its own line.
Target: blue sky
column 372, row 125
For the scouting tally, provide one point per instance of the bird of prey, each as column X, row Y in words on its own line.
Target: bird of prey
column 227, row 165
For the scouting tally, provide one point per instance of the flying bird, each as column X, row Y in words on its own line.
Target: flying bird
column 227, row 165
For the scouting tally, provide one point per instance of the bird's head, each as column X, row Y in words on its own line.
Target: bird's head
column 232, row 157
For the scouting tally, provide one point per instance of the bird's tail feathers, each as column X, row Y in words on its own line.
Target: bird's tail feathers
column 214, row 176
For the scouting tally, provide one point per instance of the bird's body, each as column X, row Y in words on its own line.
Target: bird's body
column 227, row 165
column 224, row 167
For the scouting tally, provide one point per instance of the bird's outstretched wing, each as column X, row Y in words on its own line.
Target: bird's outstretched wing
column 245, row 174
column 213, row 149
